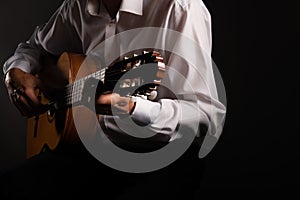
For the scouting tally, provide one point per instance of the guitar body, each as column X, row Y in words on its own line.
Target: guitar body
column 47, row 130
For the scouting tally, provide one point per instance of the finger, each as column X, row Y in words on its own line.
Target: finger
column 24, row 102
column 32, row 108
column 125, row 104
column 22, row 105
column 105, row 99
column 41, row 86
column 122, row 101
column 31, row 97
column 122, row 108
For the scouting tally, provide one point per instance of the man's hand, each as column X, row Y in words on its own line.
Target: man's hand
column 123, row 105
column 21, row 88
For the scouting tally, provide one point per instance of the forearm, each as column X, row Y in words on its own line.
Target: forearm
column 168, row 115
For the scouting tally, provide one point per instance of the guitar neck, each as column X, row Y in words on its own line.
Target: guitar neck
column 73, row 93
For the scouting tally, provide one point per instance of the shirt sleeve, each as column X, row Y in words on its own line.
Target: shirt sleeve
column 53, row 37
column 194, row 83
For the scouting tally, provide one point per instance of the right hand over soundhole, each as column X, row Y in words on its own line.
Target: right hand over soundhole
column 22, row 88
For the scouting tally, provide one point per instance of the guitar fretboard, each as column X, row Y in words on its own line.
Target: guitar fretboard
column 74, row 91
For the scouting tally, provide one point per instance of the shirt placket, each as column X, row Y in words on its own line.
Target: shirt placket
column 112, row 46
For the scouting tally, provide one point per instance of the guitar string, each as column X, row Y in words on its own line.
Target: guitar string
column 72, row 89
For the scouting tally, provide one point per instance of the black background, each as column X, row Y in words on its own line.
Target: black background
column 255, row 49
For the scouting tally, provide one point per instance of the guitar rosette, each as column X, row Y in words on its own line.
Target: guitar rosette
column 195, row 98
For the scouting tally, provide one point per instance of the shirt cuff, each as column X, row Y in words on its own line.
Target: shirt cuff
column 22, row 65
column 145, row 111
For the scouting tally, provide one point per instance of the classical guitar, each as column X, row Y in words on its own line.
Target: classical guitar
column 66, row 83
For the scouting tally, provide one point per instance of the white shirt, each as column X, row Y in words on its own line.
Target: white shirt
column 80, row 25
